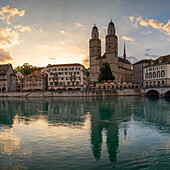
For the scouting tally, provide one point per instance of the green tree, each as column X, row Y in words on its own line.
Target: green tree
column 25, row 69
column 105, row 73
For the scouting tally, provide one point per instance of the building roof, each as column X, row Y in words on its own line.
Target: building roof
column 123, row 60
column 160, row 60
column 34, row 74
column 143, row 61
column 63, row 65
column 4, row 68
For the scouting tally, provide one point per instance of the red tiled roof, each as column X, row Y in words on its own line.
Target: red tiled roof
column 34, row 74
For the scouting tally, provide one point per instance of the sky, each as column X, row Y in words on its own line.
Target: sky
column 42, row 32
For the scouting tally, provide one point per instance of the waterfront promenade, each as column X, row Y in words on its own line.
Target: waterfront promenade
column 85, row 93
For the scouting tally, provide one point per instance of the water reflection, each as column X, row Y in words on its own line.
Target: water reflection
column 106, row 116
column 108, row 119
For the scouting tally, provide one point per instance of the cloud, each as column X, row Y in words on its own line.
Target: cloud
column 167, row 26
column 62, row 32
column 152, row 22
column 8, row 38
column 148, row 49
column 151, row 55
column 146, row 33
column 85, row 62
column 155, row 24
column 7, row 12
column 127, row 38
column 22, row 28
column 132, row 59
column 4, row 55
column 52, row 58
column 79, row 25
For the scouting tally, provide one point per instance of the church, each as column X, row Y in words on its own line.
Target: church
column 121, row 68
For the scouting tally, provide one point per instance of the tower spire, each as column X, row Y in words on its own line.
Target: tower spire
column 124, row 54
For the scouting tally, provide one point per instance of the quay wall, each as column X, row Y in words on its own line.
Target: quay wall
column 124, row 92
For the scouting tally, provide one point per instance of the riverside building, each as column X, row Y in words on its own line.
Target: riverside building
column 7, row 78
column 35, row 81
column 121, row 68
column 137, row 75
column 157, row 74
column 66, row 76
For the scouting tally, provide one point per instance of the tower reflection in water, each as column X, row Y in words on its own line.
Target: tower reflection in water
column 106, row 115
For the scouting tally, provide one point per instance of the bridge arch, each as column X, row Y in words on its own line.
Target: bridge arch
column 167, row 94
column 153, row 93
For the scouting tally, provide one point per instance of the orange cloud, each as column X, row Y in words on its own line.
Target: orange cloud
column 127, row 38
column 23, row 28
column 7, row 12
column 8, row 38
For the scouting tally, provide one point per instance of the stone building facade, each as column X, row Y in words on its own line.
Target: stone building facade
column 157, row 74
column 137, row 75
column 35, row 81
column 7, row 78
column 19, row 82
column 66, row 76
column 121, row 68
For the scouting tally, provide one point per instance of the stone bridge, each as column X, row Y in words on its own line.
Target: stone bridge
column 156, row 91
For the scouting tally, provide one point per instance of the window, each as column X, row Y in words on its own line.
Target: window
column 162, row 73
column 51, row 83
column 146, row 75
column 158, row 74
column 67, row 78
column 77, row 83
column 150, row 75
column 68, row 83
column 59, row 69
column 154, row 74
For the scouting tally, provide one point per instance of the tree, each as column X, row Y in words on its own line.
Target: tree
column 25, row 69
column 105, row 73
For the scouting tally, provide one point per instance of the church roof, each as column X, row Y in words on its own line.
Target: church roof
column 111, row 23
column 123, row 60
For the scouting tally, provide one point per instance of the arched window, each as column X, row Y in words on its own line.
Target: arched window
column 109, row 48
column 162, row 83
column 154, row 75
column 158, row 83
column 154, row 83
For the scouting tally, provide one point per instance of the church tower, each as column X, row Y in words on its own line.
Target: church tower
column 95, row 52
column 112, row 49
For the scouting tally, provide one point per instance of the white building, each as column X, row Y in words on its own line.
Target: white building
column 66, row 76
column 7, row 78
column 157, row 74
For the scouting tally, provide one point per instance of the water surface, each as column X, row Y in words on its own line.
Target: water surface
column 85, row 133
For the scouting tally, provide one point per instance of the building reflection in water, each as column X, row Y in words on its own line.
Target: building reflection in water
column 108, row 116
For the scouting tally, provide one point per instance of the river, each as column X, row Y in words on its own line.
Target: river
column 85, row 133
